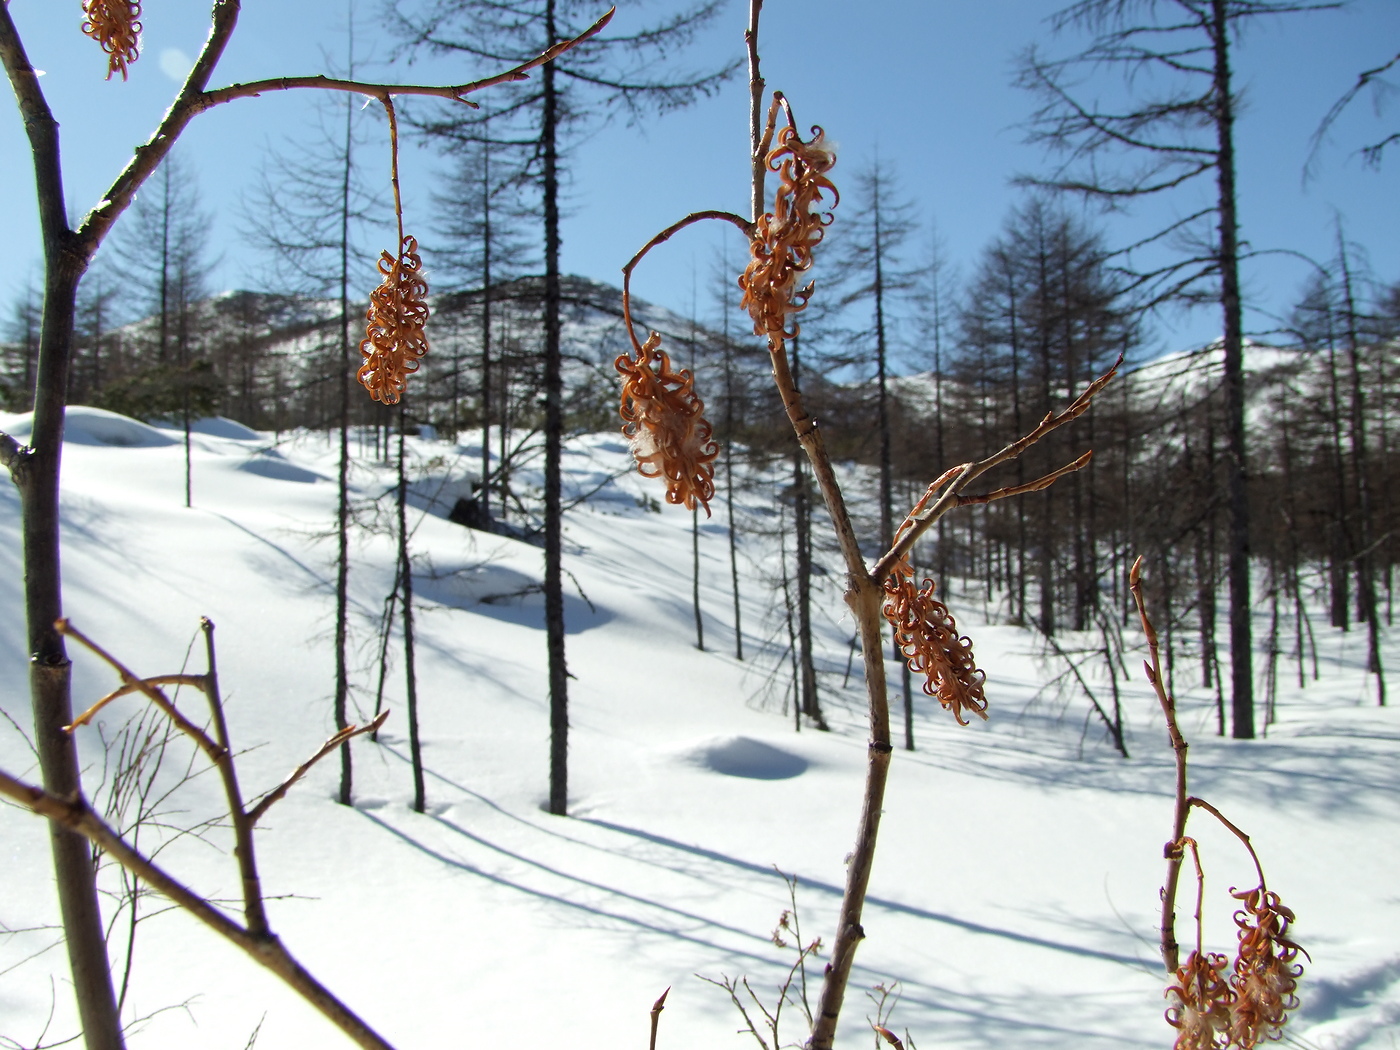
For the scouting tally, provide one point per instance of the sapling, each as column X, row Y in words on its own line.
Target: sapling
column 782, row 242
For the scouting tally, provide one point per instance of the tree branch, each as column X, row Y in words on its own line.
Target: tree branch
column 193, row 100
column 919, row 522
column 277, row 793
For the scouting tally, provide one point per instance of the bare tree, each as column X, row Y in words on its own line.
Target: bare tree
column 1176, row 126
column 609, row 74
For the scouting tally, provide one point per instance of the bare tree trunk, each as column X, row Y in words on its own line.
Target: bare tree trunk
column 35, row 472
column 406, row 603
column 1241, row 634
column 553, row 452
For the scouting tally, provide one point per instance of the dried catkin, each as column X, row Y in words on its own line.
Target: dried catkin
column 1266, row 969
column 783, row 239
column 927, row 635
column 114, row 24
column 664, row 418
column 398, row 310
column 1201, row 1004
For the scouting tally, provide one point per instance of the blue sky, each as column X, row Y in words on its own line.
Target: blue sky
column 927, row 84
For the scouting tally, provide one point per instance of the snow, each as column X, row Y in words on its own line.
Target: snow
column 1015, row 892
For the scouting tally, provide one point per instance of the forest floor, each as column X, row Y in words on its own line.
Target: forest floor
column 1014, row 901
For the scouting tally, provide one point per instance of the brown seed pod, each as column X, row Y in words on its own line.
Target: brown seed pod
column 927, row 635
column 783, row 239
column 1266, row 968
column 114, row 24
column 1201, row 1003
column 398, row 310
column 664, row 418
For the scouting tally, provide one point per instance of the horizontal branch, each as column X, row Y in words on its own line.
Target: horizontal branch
column 195, row 680
column 194, row 99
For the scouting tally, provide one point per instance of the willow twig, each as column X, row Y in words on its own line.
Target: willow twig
column 1171, row 950
column 266, row 802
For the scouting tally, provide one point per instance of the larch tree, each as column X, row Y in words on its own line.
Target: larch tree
column 1175, row 126
column 310, row 212
column 625, row 73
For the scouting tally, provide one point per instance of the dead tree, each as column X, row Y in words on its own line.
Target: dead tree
column 1174, row 135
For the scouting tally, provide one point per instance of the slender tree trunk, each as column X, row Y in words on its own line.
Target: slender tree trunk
column 486, row 334
column 802, row 513
column 406, row 603
column 553, row 449
column 35, row 472
column 1241, row 634
column 342, row 512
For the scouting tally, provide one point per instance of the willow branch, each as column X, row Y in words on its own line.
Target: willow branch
column 277, row 793
column 194, row 99
column 756, row 85
column 1170, row 948
column 12, row 453
column 194, row 680
column 745, row 227
column 951, row 496
column 1038, row 485
column 141, row 685
column 656, row 1009
column 254, row 912
column 264, row 948
column 1201, row 803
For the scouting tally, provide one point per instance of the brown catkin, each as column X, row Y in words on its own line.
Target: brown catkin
column 664, row 418
column 927, row 636
column 398, row 310
column 783, row 239
column 115, row 25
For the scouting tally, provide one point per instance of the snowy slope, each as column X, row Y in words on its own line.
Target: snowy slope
column 1014, row 896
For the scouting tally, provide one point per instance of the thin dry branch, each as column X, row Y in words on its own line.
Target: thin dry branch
column 266, row 949
column 195, row 680
column 1171, row 950
column 951, row 497
column 277, row 793
column 142, row 685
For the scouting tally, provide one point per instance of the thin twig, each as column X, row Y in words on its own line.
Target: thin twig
column 195, row 680
column 208, row 746
column 745, row 227
column 656, row 1009
column 1170, row 948
column 266, row 802
column 951, row 495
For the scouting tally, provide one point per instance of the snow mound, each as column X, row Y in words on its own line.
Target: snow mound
column 97, row 426
column 270, row 464
column 742, row 756
column 220, row 427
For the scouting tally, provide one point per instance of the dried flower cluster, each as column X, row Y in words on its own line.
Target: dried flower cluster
column 114, row 24
column 1212, row 1011
column 1266, row 969
column 1200, row 1011
column 927, row 635
column 784, row 238
column 664, row 418
column 398, row 310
